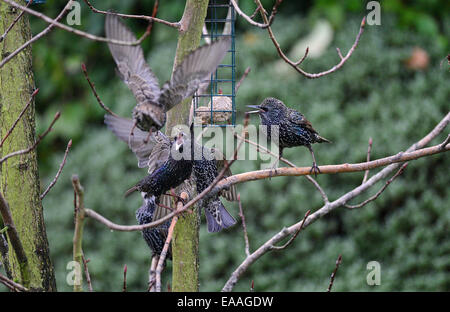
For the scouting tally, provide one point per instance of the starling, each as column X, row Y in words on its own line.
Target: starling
column 294, row 129
column 172, row 172
column 205, row 171
column 152, row 101
column 154, row 237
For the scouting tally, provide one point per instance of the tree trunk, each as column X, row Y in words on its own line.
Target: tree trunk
column 185, row 238
column 19, row 176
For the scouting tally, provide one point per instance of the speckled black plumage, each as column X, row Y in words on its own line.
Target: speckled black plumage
column 294, row 129
column 154, row 237
column 205, row 171
column 171, row 174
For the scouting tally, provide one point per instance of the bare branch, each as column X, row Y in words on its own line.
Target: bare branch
column 278, row 248
column 18, row 17
column 330, row 169
column 39, row 139
column 163, row 255
column 327, row 208
column 13, row 286
column 86, row 273
column 267, row 21
column 263, row 149
column 295, row 65
column 15, row 241
column 244, row 226
column 151, row 19
column 333, row 275
column 20, row 116
column 38, row 36
column 61, row 166
column 372, row 198
column 55, row 23
column 79, row 225
column 100, row 102
column 238, row 85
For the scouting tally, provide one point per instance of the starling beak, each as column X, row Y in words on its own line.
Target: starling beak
column 255, row 111
column 152, row 101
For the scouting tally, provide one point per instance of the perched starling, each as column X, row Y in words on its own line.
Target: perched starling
column 152, row 101
column 294, row 129
column 154, row 237
column 172, row 172
column 205, row 171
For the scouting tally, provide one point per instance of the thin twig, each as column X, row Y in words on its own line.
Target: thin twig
column 295, row 65
column 369, row 149
column 55, row 23
column 238, row 85
column 20, row 116
column 86, row 273
column 61, row 166
column 278, row 248
column 372, row 198
column 39, row 35
column 13, row 286
column 32, row 147
column 163, row 255
column 100, row 102
column 244, row 226
column 14, row 22
column 124, row 288
column 267, row 22
column 79, row 225
column 327, row 208
column 15, row 241
column 144, row 17
column 333, row 275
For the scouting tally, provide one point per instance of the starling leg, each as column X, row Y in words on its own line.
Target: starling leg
column 150, row 132
column 172, row 193
column 314, row 168
column 165, row 207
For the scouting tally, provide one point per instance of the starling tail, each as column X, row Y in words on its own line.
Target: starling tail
column 217, row 217
column 320, row 139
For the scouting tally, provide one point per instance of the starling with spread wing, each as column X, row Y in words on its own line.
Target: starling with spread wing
column 293, row 128
column 153, row 102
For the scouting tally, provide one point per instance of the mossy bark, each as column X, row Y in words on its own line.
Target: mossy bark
column 19, row 177
column 185, row 238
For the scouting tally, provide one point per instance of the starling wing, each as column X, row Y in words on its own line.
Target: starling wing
column 195, row 68
column 134, row 71
column 122, row 129
column 230, row 194
column 299, row 119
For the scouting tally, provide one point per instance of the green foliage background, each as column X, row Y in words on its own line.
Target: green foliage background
column 373, row 95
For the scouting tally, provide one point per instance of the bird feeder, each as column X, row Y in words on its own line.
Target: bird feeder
column 214, row 102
